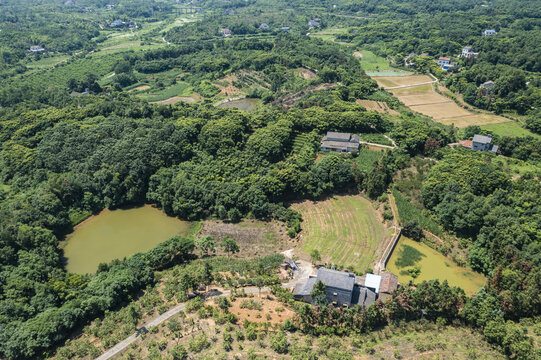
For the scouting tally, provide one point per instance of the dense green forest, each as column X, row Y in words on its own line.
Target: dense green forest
column 64, row 156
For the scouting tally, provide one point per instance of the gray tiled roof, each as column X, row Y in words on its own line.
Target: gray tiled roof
column 306, row 288
column 339, row 145
column 481, row 139
column 338, row 136
column 336, row 279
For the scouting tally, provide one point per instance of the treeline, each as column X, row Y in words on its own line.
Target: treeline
column 428, row 301
column 26, row 337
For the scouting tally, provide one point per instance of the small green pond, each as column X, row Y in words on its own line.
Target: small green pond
column 433, row 265
column 116, row 234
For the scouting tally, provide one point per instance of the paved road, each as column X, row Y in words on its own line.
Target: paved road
column 121, row 346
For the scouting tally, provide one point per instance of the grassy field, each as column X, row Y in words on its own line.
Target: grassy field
column 510, row 128
column 372, row 62
column 432, row 264
column 241, row 104
column 367, row 158
column 47, row 62
column 179, row 89
column 345, row 230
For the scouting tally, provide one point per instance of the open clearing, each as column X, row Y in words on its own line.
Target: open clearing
column 510, row 128
column 424, row 99
column 254, row 237
column 175, row 99
column 345, row 229
column 392, row 81
column 378, row 106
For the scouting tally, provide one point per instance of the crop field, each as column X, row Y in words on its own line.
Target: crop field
column 392, row 81
column 424, row 99
column 372, row 62
column 378, row 106
column 345, row 229
column 298, row 142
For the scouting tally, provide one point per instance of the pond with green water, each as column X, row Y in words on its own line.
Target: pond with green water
column 118, row 233
column 433, row 265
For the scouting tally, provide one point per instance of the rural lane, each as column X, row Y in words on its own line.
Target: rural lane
column 121, row 346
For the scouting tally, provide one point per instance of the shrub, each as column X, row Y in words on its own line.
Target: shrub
column 279, row 342
column 198, row 343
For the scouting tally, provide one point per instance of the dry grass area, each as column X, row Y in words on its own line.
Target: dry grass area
column 346, row 230
column 267, row 310
column 254, row 237
column 392, row 81
column 140, row 88
column 474, row 119
column 194, row 98
column 358, row 54
column 378, row 106
column 446, row 110
column 305, row 73
column 228, row 89
column 424, row 99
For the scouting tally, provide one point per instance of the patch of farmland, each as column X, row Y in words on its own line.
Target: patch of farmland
column 378, row 106
column 510, row 128
column 392, row 81
column 345, row 229
column 298, row 142
column 423, row 99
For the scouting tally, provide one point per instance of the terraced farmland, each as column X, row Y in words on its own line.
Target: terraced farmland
column 345, row 229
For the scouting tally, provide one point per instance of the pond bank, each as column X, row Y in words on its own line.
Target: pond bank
column 115, row 234
column 409, row 254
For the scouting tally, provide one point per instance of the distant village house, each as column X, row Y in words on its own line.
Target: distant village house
column 480, row 143
column 313, row 24
column 264, row 26
column 468, row 52
column 340, row 142
column 489, row 32
column 36, row 49
column 285, row 28
column 225, row 32
column 117, row 23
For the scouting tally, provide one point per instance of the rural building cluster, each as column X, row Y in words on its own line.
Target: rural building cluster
column 346, row 289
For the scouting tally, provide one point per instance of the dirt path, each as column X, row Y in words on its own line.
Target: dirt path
column 305, row 269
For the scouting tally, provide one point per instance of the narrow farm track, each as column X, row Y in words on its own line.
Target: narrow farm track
column 123, row 345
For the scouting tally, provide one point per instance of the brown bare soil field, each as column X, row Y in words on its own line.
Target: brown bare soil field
column 392, row 81
column 271, row 311
column 418, row 99
column 140, row 88
column 378, row 106
column 229, row 89
column 439, row 111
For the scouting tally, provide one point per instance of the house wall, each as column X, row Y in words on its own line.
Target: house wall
column 342, row 297
column 480, row 147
